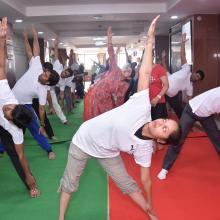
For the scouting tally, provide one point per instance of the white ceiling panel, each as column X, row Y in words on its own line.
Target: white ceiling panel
column 76, row 22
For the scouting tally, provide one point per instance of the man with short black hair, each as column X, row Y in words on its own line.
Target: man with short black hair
column 201, row 108
column 65, row 88
column 13, row 117
column 181, row 81
column 66, row 77
column 34, row 84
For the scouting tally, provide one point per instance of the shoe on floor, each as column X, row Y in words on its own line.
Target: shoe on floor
column 162, row 174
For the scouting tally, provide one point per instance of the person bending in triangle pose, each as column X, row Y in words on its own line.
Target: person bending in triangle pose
column 127, row 128
column 13, row 117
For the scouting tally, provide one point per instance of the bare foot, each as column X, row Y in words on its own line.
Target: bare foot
column 54, row 138
column 152, row 215
column 51, row 155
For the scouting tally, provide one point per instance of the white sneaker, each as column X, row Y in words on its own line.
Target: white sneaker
column 162, row 174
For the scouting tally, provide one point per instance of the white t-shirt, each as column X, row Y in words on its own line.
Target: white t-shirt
column 63, row 82
column 28, row 87
column 58, row 67
column 111, row 132
column 66, row 82
column 180, row 81
column 207, row 103
column 7, row 97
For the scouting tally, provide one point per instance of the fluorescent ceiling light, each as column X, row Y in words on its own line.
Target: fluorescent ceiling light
column 18, row 20
column 40, row 32
column 61, row 43
column 99, row 38
column 53, row 39
column 174, row 17
column 99, row 43
column 97, row 17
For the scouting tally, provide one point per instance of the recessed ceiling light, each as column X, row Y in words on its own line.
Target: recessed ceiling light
column 40, row 32
column 53, row 39
column 18, row 20
column 174, row 17
column 97, row 17
column 61, row 43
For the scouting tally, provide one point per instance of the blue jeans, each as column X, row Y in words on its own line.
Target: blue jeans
column 34, row 130
column 2, row 149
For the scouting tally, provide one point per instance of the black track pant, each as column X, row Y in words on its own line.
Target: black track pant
column 9, row 147
column 187, row 120
column 176, row 104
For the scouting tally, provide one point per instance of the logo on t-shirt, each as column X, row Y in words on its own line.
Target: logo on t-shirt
column 132, row 148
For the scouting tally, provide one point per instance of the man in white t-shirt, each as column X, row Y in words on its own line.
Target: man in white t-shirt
column 13, row 117
column 127, row 128
column 66, row 76
column 34, row 84
column 181, row 81
column 66, row 86
column 201, row 108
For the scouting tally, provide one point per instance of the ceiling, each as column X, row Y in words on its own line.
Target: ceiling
column 77, row 22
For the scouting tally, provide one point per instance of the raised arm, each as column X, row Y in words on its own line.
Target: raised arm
column 183, row 50
column 146, row 65
column 142, row 55
column 56, row 53
column 70, row 58
column 63, row 58
column 127, row 57
column 3, row 33
column 110, row 47
column 163, row 59
column 27, row 46
column 36, row 47
column 117, row 52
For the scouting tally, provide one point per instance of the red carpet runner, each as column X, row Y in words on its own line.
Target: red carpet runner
column 191, row 191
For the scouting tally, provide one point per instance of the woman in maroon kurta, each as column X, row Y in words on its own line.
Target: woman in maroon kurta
column 109, row 91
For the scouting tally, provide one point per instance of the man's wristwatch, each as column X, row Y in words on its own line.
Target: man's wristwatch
column 159, row 96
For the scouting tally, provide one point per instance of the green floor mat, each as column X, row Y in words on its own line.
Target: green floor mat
column 88, row 203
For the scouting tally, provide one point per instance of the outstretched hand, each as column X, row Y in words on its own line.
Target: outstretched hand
column 163, row 54
column 56, row 43
column 184, row 38
column 25, row 34
column 118, row 49
column 34, row 31
column 3, row 28
column 151, row 30
column 109, row 32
